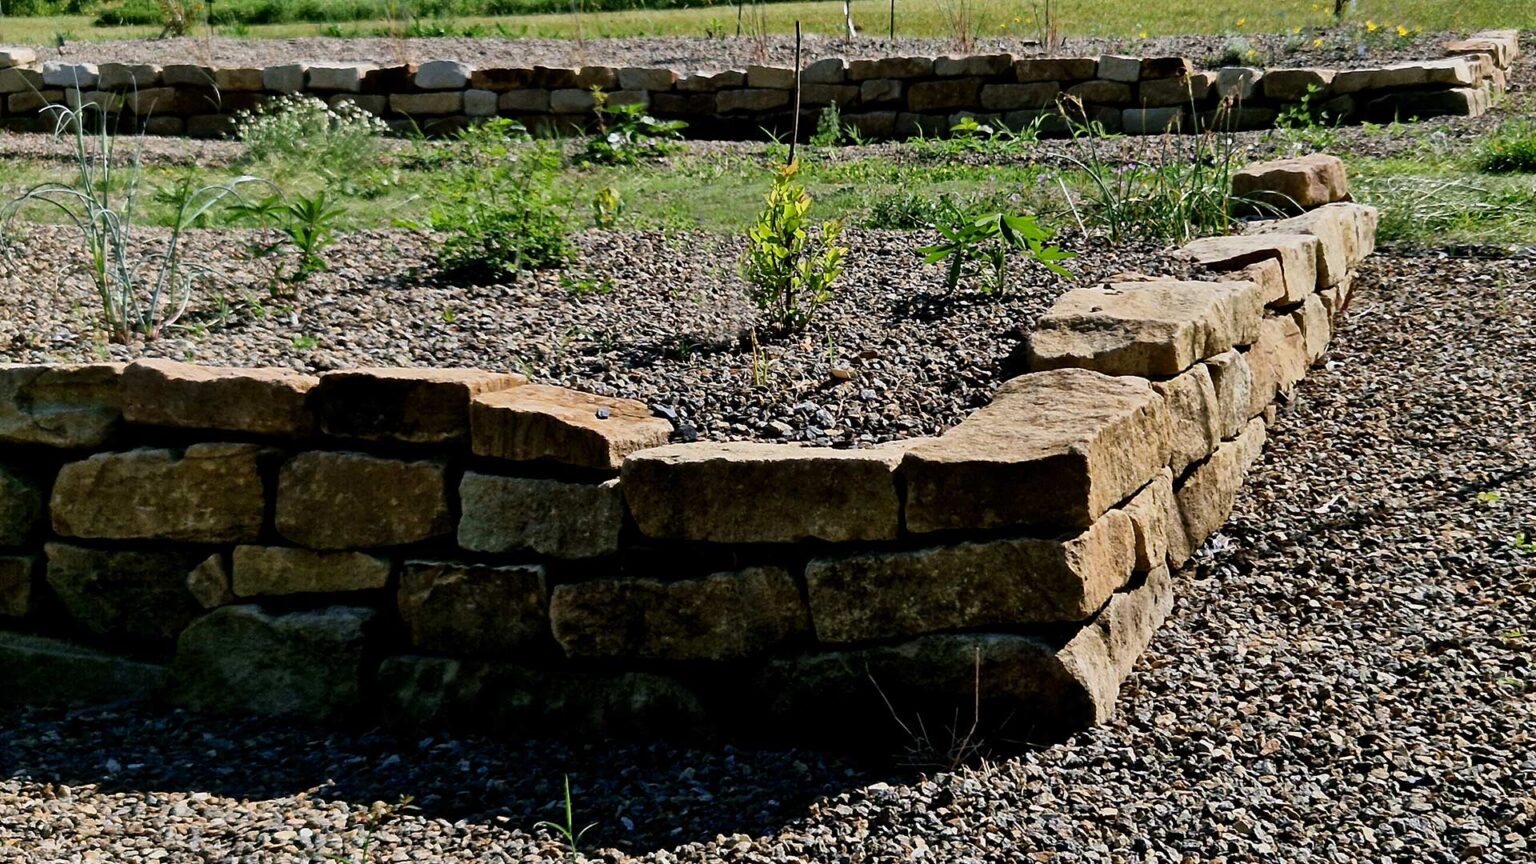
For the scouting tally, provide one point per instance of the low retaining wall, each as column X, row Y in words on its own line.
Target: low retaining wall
column 460, row 547
column 895, row 97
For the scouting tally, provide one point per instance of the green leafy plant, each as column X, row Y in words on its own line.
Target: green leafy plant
column 906, row 211
column 979, row 248
column 832, row 131
column 567, row 829
column 141, row 293
column 627, row 135
column 790, row 264
column 304, row 224
column 1511, row 149
column 303, row 133
column 607, row 205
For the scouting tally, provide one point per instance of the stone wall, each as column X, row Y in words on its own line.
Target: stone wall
column 460, row 547
column 895, row 97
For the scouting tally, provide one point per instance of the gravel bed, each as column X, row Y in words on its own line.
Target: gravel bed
column 657, row 317
column 1347, row 676
column 1340, row 50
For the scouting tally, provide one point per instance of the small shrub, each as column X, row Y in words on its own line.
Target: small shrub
column 305, row 225
column 790, row 265
column 1511, row 149
column 627, row 135
column 501, row 214
column 607, row 205
column 904, row 211
column 830, row 130
column 979, row 249
column 305, row 132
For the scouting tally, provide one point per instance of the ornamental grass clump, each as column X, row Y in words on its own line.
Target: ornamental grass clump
column 791, row 264
column 1510, row 150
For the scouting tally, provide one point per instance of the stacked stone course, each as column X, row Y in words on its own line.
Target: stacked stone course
column 463, row 547
column 894, row 97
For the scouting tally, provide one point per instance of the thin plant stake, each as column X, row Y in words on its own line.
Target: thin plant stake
column 794, row 133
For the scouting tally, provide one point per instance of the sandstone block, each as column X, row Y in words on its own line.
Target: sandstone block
column 710, row 82
column 1502, row 47
column 1155, row 520
column 1151, row 121
column 1414, row 105
column 1194, row 413
column 1059, row 69
column 1278, row 360
column 1207, row 495
column 42, row 672
column 1316, row 328
column 340, row 77
column 725, row 616
column 210, row 493
column 1166, row 67
column 1012, row 97
column 13, row 55
column 353, row 500
column 1100, row 657
column 549, row 517
column 762, row 493
column 21, row 507
column 239, row 80
column 443, row 75
column 770, row 77
column 1145, row 328
column 829, row 70
column 524, row 101
column 882, row 90
column 29, row 102
column 750, row 100
column 640, row 78
column 73, row 406
column 480, row 103
column 970, row 585
column 241, row 660
column 890, row 67
column 842, row 95
column 286, row 78
column 411, row 406
column 539, row 422
column 1233, row 382
column 1054, row 449
column 1101, row 92
column 17, row 574
column 271, row 401
column 80, row 76
column 438, row 103
column 209, row 583
column 274, row 571
column 979, row 65
column 1115, row 67
column 133, row 596
column 1239, row 83
column 1339, row 229
column 1292, row 85
column 1296, row 253
column 1451, row 72
column 20, row 80
column 873, row 124
column 474, row 610
column 1293, row 184
column 119, row 76
column 555, row 78
column 1176, row 92
column 927, row 96
column 506, row 80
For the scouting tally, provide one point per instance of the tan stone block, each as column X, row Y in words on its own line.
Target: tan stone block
column 1267, row 274
column 556, row 424
column 66, row 405
column 970, row 585
column 548, row 517
column 435, row 104
column 1054, row 449
column 1297, row 254
column 1316, row 329
column 930, row 96
column 751, row 100
column 505, row 80
column 828, row 70
column 1058, row 69
column 21, row 507
column 118, row 76
column 1101, row 656
column 638, row 78
column 17, row 573
column 890, row 67
column 1101, row 92
column 270, row 401
column 131, row 596
column 882, row 90
column 770, row 77
column 413, row 406
column 1451, row 72
column 355, row 501
column 1293, row 184
column 725, row 616
column 1145, row 328
column 1292, row 85
column 284, row 78
column 474, row 610
column 762, row 493
column 710, row 82
column 1154, row 515
column 1339, row 229
column 1278, row 360
column 1194, row 414
column 238, row 80
column 41, row 672
column 1011, row 97
column 1207, row 495
column 274, row 571
column 1115, row 67
column 1176, row 92
column 524, row 101
column 210, row 493
column 1233, row 381
column 209, row 583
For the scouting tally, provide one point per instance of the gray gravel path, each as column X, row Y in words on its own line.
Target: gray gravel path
column 1347, row 677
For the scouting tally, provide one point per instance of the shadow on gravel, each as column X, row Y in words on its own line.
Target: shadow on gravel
column 643, row 796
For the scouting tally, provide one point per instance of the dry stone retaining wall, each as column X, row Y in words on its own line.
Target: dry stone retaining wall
column 463, row 547
column 894, row 97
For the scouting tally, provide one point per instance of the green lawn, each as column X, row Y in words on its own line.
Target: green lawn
column 913, row 18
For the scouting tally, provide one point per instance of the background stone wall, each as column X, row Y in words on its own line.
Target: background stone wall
column 895, row 97
column 462, row 547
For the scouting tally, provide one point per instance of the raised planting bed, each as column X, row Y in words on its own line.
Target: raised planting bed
column 463, row 547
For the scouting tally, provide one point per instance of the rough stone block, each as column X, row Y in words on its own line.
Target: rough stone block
column 642, row 78
column 711, row 82
column 1101, row 92
column 1451, row 72
column 1233, row 382
column 121, row 76
column 241, row 660
column 1195, row 416
column 480, row 103
column 549, row 517
column 770, row 77
column 1207, row 495
column 234, row 80
column 1293, row 85
column 209, row 583
column 286, row 78
column 1176, row 92
column 506, row 80
column 137, row 596
column 1102, row 654
column 1277, row 360
column 1058, row 69
column 1238, row 83
column 80, row 76
column 1151, row 121
column 1316, row 328
column 1153, row 68
column 1297, row 254
column 1155, row 521
column 890, row 67
column 843, row 95
column 269, row 401
column 1115, row 67
column 27, row 103
column 882, row 90
column 17, row 573
column 15, row 55
column 71, row 406
column 1293, row 184
column 442, row 75
column 1339, row 229
column 829, row 70
column 1415, row 105
column 763, row 493
column 440, row 103
column 726, row 616
column 21, row 507
column 354, row 501
column 1054, row 449
column 210, row 493
column 20, row 80
column 572, row 101
column 970, row 585
column 1145, row 328
column 40, row 672
column 524, row 101
column 1012, row 97
column 926, row 96
column 340, row 77
column 411, row 406
column 274, row 571
column 474, row 610
column 539, row 422
column 979, row 65
column 751, row 100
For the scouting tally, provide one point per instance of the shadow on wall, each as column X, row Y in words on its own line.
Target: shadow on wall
column 643, row 796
